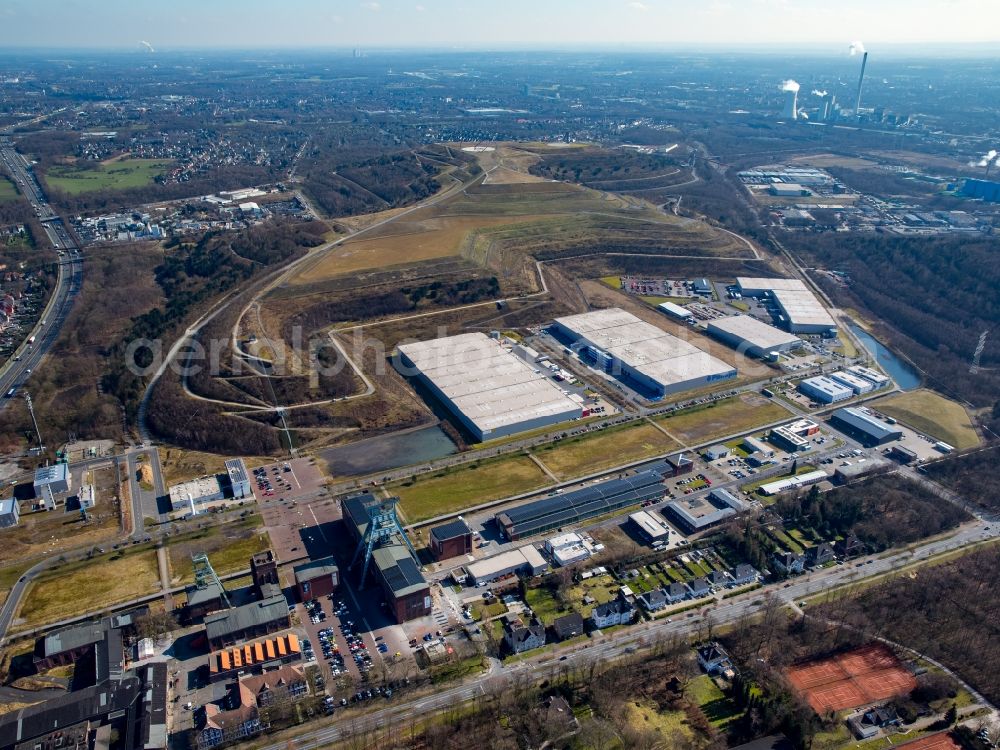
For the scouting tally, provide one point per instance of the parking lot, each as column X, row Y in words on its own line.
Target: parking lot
column 300, row 530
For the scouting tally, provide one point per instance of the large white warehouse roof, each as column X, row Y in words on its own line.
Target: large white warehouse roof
column 800, row 306
column 645, row 348
column 488, row 384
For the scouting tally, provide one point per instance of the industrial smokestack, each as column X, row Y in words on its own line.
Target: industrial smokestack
column 791, row 89
column 861, row 80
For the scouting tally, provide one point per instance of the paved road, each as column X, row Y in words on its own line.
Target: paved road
column 620, row 642
column 15, row 372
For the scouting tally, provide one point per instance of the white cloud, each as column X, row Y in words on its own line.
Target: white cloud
column 372, row 6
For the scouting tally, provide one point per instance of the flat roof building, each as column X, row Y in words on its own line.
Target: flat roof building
column 567, row 549
column 640, row 353
column 756, row 338
column 698, row 513
column 522, row 561
column 451, row 539
column 874, row 377
column 491, row 391
column 196, row 493
column 825, row 390
column 800, row 310
column 572, row 507
column 753, row 445
column 790, row 483
column 650, row 526
column 676, row 311
column 239, row 480
column 51, row 481
column 10, row 512
column 863, row 426
column 857, row 384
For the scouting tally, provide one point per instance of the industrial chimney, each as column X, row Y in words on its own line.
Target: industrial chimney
column 861, row 80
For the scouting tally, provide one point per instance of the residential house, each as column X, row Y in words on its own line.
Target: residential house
column 868, row 724
column 677, row 592
column 568, row 626
column 218, row 726
column 619, row 611
column 789, row 562
column 700, row 587
column 851, row 546
column 653, row 601
column 520, row 637
column 559, row 718
column 288, row 681
column 744, row 574
column 821, row 554
column 713, row 658
column 718, row 578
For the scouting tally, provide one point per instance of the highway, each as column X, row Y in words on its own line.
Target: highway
column 27, row 357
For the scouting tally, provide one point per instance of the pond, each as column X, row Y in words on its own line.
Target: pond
column 905, row 376
column 388, row 452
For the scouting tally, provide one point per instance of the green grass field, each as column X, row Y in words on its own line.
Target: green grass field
column 90, row 585
column 933, row 414
column 742, row 413
column 7, row 190
column 603, row 450
column 455, row 489
column 118, row 175
column 717, row 707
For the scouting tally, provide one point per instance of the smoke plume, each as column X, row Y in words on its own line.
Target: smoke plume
column 147, row 46
column 817, row 92
column 857, row 48
column 790, row 85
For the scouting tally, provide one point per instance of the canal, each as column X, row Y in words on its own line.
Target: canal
column 899, row 370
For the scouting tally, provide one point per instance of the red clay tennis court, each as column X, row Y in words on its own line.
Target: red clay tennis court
column 939, row 741
column 865, row 675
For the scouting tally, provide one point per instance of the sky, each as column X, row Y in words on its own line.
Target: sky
column 471, row 24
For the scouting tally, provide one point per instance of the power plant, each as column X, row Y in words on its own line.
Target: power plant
column 791, row 89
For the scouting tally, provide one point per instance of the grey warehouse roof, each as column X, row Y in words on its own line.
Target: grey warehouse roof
column 583, row 503
column 753, row 332
column 451, row 530
column 221, row 624
column 866, row 423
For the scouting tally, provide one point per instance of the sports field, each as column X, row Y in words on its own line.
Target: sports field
column 456, row 489
column 726, row 417
column 933, row 414
column 939, row 741
column 864, row 675
column 603, row 450
column 111, row 175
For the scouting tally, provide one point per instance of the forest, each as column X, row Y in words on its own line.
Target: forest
column 937, row 296
column 973, row 476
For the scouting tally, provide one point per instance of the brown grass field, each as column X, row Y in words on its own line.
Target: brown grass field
column 860, row 676
column 602, row 450
column 737, row 414
column 78, row 588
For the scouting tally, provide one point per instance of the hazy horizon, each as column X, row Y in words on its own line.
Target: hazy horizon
column 638, row 25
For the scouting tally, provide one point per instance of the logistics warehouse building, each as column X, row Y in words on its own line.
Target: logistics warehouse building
column 864, row 426
column 801, row 312
column 491, row 391
column 641, row 352
column 752, row 336
column 579, row 505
